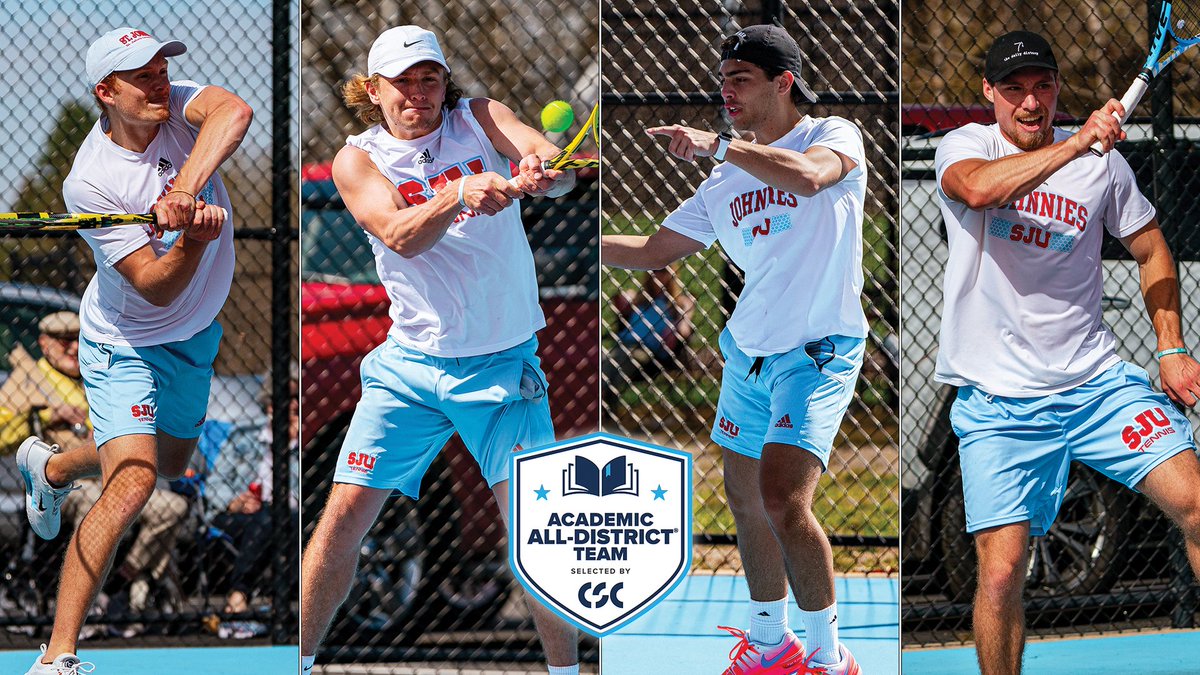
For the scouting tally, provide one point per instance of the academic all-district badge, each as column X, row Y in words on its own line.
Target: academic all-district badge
column 601, row 527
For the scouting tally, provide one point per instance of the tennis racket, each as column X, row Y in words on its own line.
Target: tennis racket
column 565, row 160
column 33, row 221
column 1181, row 19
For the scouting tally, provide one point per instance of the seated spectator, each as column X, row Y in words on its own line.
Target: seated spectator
column 654, row 324
column 44, row 398
column 247, row 518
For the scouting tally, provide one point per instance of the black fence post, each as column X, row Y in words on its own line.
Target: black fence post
column 283, row 619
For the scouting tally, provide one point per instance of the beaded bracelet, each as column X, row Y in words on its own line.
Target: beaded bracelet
column 1167, row 352
column 184, row 192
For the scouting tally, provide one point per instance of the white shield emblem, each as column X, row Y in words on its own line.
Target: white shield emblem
column 601, row 527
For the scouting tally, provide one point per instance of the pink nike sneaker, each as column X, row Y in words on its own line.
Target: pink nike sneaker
column 847, row 666
column 749, row 658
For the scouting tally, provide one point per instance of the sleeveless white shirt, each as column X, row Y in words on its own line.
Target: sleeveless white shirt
column 474, row 292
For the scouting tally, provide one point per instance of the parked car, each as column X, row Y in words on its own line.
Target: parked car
column 438, row 562
column 1104, row 533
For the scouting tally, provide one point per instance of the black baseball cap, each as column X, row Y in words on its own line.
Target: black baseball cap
column 1018, row 49
column 767, row 46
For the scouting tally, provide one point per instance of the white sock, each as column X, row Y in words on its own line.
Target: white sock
column 768, row 621
column 306, row 663
column 821, row 634
column 564, row 670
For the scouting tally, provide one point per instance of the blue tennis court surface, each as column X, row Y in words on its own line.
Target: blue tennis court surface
column 680, row 634
column 183, row 661
column 1157, row 653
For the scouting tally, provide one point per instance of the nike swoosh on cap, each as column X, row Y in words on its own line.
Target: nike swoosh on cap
column 409, row 44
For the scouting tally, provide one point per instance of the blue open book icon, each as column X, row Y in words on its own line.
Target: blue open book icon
column 583, row 477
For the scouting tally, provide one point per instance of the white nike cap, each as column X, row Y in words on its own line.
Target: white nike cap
column 125, row 49
column 401, row 48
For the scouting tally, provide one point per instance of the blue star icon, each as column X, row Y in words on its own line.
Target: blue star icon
column 658, row 493
column 542, row 492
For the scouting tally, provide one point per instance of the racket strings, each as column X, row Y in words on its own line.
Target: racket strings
column 1185, row 19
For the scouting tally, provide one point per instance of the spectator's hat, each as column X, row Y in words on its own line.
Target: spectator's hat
column 60, row 324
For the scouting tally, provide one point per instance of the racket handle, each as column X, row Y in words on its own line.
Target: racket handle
column 1129, row 101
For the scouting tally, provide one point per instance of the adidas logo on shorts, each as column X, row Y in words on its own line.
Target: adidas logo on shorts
column 784, row 422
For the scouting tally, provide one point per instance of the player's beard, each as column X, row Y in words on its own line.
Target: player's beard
column 1031, row 140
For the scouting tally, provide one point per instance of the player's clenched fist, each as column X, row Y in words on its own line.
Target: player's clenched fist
column 1102, row 127
column 686, row 143
column 207, row 222
column 488, row 193
column 175, row 211
column 532, row 179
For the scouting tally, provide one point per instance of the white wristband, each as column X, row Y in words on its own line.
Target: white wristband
column 723, row 141
column 462, row 184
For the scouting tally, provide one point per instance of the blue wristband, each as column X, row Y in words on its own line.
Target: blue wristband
column 1167, row 352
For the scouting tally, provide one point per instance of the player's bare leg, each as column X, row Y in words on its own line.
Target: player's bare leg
column 1174, row 486
column 999, row 611
column 762, row 559
column 129, row 466
column 789, row 476
column 70, row 464
column 331, row 557
column 560, row 640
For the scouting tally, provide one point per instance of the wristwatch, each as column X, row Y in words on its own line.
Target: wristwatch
column 723, row 140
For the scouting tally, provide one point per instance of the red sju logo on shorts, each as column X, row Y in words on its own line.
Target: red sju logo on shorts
column 360, row 462
column 142, row 412
column 1149, row 426
column 729, row 428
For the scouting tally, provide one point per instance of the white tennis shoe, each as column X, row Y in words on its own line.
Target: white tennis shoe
column 63, row 664
column 43, row 501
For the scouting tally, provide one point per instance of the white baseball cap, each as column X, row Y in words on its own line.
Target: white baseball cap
column 125, row 49
column 401, row 48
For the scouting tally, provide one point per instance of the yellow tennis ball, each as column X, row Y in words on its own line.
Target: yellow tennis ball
column 557, row 116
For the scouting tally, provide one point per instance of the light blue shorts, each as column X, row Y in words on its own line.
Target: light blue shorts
column 142, row 390
column 796, row 398
column 412, row 403
column 1015, row 453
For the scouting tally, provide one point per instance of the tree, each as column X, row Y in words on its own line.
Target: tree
column 51, row 261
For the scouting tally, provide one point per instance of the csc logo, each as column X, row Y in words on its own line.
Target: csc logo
column 599, row 597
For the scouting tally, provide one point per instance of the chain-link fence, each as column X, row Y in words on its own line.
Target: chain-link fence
column 213, row 556
column 660, row 67
column 433, row 584
column 1111, row 561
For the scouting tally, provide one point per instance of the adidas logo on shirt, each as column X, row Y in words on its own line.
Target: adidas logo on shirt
column 164, row 165
column 425, row 158
column 784, row 422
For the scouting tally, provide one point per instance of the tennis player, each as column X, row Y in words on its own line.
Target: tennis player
column 1026, row 206
column 429, row 184
column 787, row 207
column 148, row 334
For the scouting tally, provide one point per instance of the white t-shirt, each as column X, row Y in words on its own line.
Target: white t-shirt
column 107, row 178
column 474, row 292
column 1023, row 283
column 802, row 255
